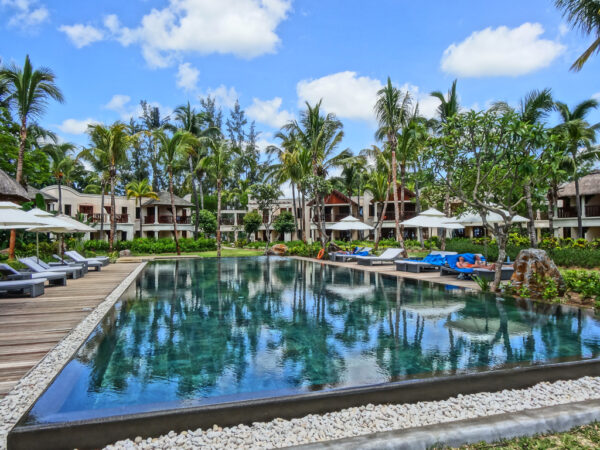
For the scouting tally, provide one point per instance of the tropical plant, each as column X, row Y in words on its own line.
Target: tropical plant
column 392, row 110
column 28, row 92
column 378, row 184
column 171, row 150
column 109, row 149
column 266, row 195
column 579, row 137
column 584, row 15
column 59, row 161
column 139, row 190
column 252, row 222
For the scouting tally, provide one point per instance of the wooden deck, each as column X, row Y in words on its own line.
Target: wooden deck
column 30, row 327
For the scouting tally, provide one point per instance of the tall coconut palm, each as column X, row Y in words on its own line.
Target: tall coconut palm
column 59, row 157
column 139, row 190
column 109, row 147
column 100, row 182
column 28, row 91
column 448, row 108
column 172, row 150
column 378, row 184
column 392, row 110
column 579, row 138
column 319, row 137
column 585, row 16
column 532, row 109
column 218, row 164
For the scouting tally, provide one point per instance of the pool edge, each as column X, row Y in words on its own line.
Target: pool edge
column 99, row 432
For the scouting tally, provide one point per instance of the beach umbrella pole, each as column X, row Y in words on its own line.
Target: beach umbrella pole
column 37, row 246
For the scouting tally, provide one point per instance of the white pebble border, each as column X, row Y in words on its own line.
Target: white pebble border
column 27, row 390
column 371, row 419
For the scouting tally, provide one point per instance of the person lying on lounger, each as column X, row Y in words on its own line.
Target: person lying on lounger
column 479, row 264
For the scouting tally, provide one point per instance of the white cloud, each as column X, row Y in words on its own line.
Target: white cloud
column 501, row 51
column 224, row 96
column 118, row 103
column 121, row 104
column 187, row 77
column 268, row 112
column 344, row 93
column 596, row 96
column 563, row 29
column 245, row 28
column 82, row 35
column 74, row 126
column 26, row 13
column 427, row 104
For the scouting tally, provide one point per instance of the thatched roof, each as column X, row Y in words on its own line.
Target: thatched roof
column 33, row 192
column 588, row 185
column 164, row 198
column 10, row 190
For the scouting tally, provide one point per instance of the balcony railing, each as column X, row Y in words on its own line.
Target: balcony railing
column 184, row 220
column 97, row 218
column 570, row 212
column 227, row 219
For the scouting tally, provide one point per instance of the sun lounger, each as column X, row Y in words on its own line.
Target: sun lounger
column 31, row 263
column 54, row 278
column 387, row 257
column 333, row 255
column 451, row 269
column 60, row 262
column 433, row 261
column 47, row 266
column 351, row 257
column 86, row 264
column 33, row 288
column 489, row 275
column 78, row 258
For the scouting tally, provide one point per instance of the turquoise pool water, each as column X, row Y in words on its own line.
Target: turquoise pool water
column 193, row 332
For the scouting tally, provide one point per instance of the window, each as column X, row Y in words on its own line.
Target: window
column 68, row 210
column 137, row 213
column 124, row 210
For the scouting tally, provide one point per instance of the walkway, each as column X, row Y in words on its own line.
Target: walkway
column 390, row 269
column 30, row 327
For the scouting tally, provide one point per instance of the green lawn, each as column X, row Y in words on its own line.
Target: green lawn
column 585, row 437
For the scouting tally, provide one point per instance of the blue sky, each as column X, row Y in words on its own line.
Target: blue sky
column 275, row 54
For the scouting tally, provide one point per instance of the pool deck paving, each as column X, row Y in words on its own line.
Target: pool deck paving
column 390, row 269
column 31, row 327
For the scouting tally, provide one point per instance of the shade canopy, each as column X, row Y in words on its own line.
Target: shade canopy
column 473, row 219
column 350, row 223
column 49, row 223
column 432, row 218
column 76, row 225
column 12, row 217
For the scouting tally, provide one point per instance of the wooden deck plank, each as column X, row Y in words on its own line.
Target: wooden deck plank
column 31, row 327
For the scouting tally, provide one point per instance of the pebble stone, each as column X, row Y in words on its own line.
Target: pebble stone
column 372, row 418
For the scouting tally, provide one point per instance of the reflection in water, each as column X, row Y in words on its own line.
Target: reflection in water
column 217, row 330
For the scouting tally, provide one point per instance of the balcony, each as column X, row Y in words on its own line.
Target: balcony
column 97, row 218
column 227, row 219
column 571, row 212
column 182, row 220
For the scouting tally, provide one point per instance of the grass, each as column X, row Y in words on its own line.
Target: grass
column 584, row 437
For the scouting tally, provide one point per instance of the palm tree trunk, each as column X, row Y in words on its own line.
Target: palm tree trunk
column 446, row 211
column 218, row 217
column 294, row 206
column 173, row 212
column 102, row 186
column 113, row 225
column 194, row 197
column 141, row 219
column 418, row 211
column 551, row 204
column 402, row 193
column 59, row 195
column 578, row 205
column 395, row 194
column 23, row 138
column 303, row 221
column 380, row 224
column 530, row 216
column 201, row 192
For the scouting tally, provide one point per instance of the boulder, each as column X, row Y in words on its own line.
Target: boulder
column 533, row 269
column 277, row 250
column 125, row 253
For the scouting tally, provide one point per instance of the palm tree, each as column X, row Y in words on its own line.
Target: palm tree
column 59, row 157
column 448, row 108
column 580, row 137
column 585, row 15
column 28, row 90
column 139, row 190
column 110, row 145
column 533, row 108
column 218, row 164
column 153, row 121
column 378, row 184
column 392, row 110
column 353, row 172
column 319, row 136
column 171, row 151
column 99, row 182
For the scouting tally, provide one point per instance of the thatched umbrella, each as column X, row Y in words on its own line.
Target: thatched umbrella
column 10, row 190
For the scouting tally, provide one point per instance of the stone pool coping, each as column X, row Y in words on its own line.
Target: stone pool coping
column 22, row 397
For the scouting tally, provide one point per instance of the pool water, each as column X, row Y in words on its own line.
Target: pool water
column 204, row 331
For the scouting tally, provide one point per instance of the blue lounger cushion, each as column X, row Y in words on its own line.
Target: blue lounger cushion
column 451, row 260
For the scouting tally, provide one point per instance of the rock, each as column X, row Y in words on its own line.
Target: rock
column 125, row 252
column 277, row 250
column 533, row 269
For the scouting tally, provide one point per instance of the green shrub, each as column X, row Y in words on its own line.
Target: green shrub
column 574, row 257
column 299, row 248
column 94, row 245
column 584, row 282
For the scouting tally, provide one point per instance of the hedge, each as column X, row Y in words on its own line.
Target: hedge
column 150, row 245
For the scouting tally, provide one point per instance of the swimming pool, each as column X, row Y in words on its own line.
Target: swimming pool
column 198, row 332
